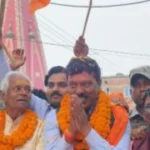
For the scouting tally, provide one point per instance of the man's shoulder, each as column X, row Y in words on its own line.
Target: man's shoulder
column 118, row 109
column 134, row 113
column 51, row 120
column 119, row 115
column 51, row 117
column 51, row 113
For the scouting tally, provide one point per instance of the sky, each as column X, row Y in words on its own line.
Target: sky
column 123, row 29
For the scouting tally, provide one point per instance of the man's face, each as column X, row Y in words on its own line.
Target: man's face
column 56, row 88
column 18, row 94
column 85, row 86
column 147, row 104
column 138, row 90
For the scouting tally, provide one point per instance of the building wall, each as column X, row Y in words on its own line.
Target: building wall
column 20, row 30
column 118, row 84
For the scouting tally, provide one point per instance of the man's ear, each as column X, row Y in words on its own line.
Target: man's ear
column 130, row 91
column 2, row 94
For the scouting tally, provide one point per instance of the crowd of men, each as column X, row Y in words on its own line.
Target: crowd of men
column 75, row 113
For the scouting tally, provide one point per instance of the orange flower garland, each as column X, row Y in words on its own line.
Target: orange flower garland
column 100, row 119
column 21, row 135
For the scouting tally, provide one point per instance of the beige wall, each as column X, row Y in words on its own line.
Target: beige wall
column 115, row 84
column 118, row 84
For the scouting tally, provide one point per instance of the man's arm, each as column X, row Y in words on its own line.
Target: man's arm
column 96, row 142
column 52, row 136
column 40, row 106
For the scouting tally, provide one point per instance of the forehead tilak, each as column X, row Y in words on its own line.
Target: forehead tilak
column 22, row 82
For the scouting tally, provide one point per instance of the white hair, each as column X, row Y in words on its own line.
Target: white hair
column 4, row 85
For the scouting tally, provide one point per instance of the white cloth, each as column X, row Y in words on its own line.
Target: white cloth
column 54, row 141
column 40, row 106
column 35, row 142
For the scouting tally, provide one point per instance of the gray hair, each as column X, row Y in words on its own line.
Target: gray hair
column 4, row 85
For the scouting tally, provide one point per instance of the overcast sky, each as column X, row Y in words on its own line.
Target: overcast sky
column 123, row 29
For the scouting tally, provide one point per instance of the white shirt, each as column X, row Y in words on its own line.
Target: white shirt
column 54, row 141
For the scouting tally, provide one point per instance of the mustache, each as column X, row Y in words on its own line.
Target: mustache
column 56, row 93
column 82, row 95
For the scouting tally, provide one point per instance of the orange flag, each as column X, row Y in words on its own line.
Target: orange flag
column 37, row 4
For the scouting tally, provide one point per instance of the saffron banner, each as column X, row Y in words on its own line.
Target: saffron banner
column 37, row 4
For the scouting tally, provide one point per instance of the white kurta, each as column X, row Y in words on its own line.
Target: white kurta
column 35, row 143
column 54, row 141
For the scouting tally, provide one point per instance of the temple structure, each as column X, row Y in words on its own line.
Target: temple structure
column 20, row 30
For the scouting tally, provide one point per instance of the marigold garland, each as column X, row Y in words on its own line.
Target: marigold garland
column 21, row 135
column 100, row 119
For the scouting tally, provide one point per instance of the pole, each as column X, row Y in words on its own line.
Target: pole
column 87, row 17
column 2, row 13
